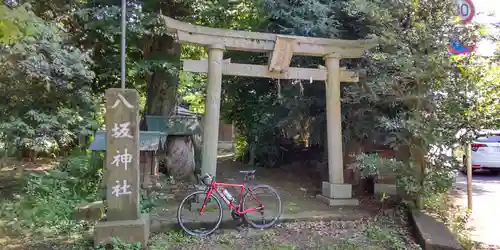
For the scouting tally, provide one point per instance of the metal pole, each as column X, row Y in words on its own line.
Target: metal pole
column 469, row 176
column 124, row 41
column 468, row 154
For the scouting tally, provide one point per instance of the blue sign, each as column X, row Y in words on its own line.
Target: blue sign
column 458, row 48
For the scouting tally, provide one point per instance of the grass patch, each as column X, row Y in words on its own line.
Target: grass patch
column 386, row 236
column 292, row 207
column 455, row 218
column 167, row 240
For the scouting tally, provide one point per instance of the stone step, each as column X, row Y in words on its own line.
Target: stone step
column 432, row 234
column 93, row 211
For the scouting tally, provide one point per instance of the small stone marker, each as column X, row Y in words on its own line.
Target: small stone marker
column 122, row 176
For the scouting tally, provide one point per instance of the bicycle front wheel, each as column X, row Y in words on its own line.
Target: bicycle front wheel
column 202, row 224
column 268, row 206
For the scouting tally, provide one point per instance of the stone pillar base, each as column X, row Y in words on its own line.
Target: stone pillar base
column 129, row 231
column 389, row 189
column 337, row 194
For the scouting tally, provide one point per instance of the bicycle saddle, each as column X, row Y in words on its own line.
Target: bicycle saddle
column 247, row 171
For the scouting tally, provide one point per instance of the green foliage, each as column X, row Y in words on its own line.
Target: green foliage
column 153, row 59
column 415, row 95
column 44, row 84
column 413, row 71
column 384, row 233
column 149, row 201
column 240, row 147
column 166, row 240
column 13, row 23
column 437, row 180
column 372, row 165
column 316, row 18
column 46, row 206
column 117, row 244
column 192, row 89
column 239, row 15
column 101, row 33
column 412, row 97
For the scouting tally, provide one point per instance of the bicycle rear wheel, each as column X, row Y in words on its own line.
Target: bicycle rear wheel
column 207, row 222
column 268, row 197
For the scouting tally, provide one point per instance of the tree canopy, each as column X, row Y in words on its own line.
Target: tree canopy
column 58, row 57
column 45, row 87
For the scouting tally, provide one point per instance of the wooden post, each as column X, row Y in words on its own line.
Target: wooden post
column 469, row 176
column 122, row 174
column 147, row 166
column 154, row 171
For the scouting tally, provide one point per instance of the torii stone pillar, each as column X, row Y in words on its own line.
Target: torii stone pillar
column 212, row 110
column 335, row 191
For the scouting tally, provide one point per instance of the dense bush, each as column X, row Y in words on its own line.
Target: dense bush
column 47, row 104
column 47, row 202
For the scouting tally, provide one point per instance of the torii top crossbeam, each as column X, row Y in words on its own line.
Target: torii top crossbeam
column 265, row 42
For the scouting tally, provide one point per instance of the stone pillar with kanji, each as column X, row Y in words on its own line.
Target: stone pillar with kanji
column 122, row 177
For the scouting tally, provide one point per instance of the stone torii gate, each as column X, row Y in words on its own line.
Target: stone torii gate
column 281, row 48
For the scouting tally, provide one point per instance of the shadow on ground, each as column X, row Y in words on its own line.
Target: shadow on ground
column 297, row 192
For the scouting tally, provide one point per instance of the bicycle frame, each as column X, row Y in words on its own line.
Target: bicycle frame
column 214, row 186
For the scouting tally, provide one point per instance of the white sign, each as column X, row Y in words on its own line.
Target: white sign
column 124, row 159
column 121, row 188
column 120, row 100
column 121, row 130
column 465, row 10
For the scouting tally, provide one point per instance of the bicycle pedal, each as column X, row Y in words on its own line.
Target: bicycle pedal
column 235, row 216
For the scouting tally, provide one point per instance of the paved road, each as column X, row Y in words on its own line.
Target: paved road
column 485, row 218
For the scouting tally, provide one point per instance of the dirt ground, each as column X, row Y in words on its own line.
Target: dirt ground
column 382, row 233
column 10, row 174
column 296, row 187
column 378, row 228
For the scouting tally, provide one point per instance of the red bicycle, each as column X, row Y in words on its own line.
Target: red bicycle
column 239, row 209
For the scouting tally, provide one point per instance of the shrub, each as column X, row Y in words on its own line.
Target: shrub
column 438, row 177
column 46, row 205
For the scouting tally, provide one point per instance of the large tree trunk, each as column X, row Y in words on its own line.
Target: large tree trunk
column 162, row 84
column 178, row 160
